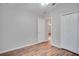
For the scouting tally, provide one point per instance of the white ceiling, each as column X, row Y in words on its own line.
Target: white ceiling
column 36, row 8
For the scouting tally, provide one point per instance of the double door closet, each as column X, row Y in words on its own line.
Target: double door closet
column 70, row 32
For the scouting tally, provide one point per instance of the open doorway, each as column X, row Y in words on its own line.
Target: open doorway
column 49, row 28
column 44, row 29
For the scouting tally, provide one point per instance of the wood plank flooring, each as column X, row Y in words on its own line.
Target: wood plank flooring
column 41, row 49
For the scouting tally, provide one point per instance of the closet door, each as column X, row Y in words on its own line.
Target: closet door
column 78, row 33
column 78, row 38
column 69, row 32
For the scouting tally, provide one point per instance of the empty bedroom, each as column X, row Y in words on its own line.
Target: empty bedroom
column 39, row 29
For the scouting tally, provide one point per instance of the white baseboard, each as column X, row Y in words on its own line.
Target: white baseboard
column 20, row 47
column 56, row 45
column 42, row 41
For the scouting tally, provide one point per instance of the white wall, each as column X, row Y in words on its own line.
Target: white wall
column 56, row 13
column 17, row 27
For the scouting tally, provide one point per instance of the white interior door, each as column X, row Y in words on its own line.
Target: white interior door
column 78, row 36
column 41, row 30
column 78, row 33
column 69, row 32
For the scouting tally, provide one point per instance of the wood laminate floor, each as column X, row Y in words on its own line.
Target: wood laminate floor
column 41, row 49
